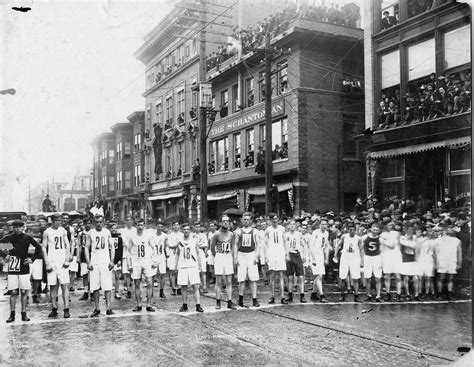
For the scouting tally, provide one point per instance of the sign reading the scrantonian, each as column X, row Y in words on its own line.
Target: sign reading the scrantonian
column 250, row 118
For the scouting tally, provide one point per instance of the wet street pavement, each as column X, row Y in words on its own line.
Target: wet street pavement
column 427, row 333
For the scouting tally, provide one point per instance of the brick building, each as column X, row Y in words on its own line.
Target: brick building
column 317, row 164
column 170, row 53
column 419, row 63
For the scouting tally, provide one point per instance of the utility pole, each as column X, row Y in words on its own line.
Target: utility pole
column 202, row 118
column 268, row 125
column 269, row 53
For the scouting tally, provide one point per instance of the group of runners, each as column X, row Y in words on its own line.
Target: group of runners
column 284, row 252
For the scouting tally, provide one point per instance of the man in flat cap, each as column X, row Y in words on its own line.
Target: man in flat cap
column 19, row 262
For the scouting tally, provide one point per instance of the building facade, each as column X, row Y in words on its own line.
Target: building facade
column 312, row 106
column 119, row 168
column 317, row 164
column 418, row 96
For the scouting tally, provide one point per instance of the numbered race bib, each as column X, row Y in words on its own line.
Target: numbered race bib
column 350, row 249
column 14, row 264
column 246, row 240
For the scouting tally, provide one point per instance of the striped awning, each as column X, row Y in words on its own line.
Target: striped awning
column 447, row 143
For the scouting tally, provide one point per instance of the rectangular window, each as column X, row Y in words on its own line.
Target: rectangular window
column 119, row 180
column 111, row 156
column 457, row 47
column 460, row 159
column 169, row 113
column 235, row 98
column 219, row 154
column 391, row 167
column 212, row 157
column 148, row 116
column 224, row 103
column 159, row 114
column 237, row 151
column 118, row 152
column 188, row 51
column 104, row 181
column 348, row 140
column 138, row 142
column 249, row 159
column 390, row 69
column 280, row 139
column 127, row 180
column 137, row 175
column 111, row 183
column 262, row 134
column 250, row 91
column 421, row 59
column 180, row 106
column 282, row 77
column 168, row 159
column 127, row 150
column 181, row 158
column 261, row 86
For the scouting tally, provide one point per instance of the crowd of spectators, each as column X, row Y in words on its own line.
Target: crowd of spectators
column 275, row 24
column 434, row 98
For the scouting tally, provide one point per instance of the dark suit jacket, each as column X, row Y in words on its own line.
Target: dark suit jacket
column 388, row 22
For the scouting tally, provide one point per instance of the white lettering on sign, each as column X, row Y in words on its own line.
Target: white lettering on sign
column 259, row 115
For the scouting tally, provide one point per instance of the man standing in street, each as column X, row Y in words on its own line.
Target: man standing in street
column 221, row 247
column 126, row 233
column 188, row 264
column 317, row 243
column 16, row 250
column 99, row 253
column 295, row 257
column 142, row 260
column 275, row 256
column 56, row 243
column 246, row 255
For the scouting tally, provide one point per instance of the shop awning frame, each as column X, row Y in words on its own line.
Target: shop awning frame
column 222, row 195
column 447, row 143
column 172, row 195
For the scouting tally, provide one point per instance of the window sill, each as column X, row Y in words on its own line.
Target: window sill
column 218, row 173
column 280, row 160
column 235, row 169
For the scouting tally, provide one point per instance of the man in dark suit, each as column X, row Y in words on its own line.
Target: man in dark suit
column 388, row 21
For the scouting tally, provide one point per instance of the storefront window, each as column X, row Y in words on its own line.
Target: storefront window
column 457, row 47
column 392, row 167
column 460, row 159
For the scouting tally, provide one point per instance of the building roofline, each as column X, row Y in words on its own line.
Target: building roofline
column 120, row 125
column 101, row 137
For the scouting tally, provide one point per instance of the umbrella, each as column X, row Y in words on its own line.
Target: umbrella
column 234, row 211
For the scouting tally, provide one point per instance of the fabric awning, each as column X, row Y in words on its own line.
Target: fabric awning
column 260, row 190
column 387, row 153
column 166, row 196
column 221, row 195
column 285, row 186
